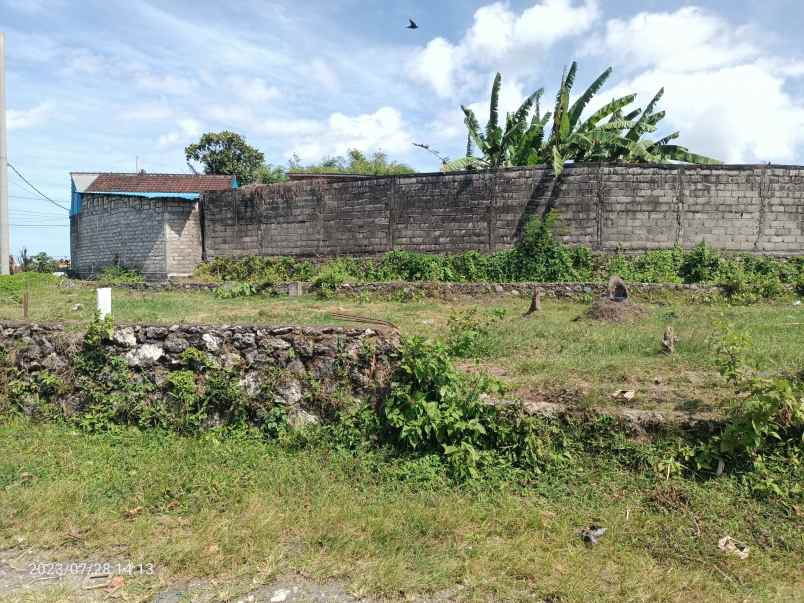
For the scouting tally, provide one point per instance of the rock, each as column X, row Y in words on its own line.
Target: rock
column 289, row 392
column 243, row 340
column 54, row 362
column 299, row 418
column 323, row 367
column 297, row 367
column 498, row 289
column 176, row 344
column 211, row 343
column 231, row 360
column 146, row 355
column 251, row 356
column 251, row 384
column 125, row 337
column 155, row 332
column 617, row 289
column 275, row 343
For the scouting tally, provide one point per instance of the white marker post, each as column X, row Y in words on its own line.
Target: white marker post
column 104, row 301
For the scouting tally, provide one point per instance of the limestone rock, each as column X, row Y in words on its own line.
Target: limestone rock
column 230, row 360
column 211, row 343
column 125, row 337
column 289, row 392
column 299, row 418
column 275, row 343
column 54, row 362
column 146, row 355
column 176, row 344
column 155, row 332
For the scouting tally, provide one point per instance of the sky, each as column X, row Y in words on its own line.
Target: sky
column 112, row 86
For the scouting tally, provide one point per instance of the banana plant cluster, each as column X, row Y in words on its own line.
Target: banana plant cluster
column 612, row 133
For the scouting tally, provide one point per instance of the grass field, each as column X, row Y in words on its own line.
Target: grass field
column 238, row 508
column 551, row 356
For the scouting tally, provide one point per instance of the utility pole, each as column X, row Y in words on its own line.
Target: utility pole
column 5, row 244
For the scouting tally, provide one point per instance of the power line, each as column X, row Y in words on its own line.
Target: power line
column 28, row 182
column 24, row 197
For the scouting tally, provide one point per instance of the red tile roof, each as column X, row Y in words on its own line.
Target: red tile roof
column 159, row 183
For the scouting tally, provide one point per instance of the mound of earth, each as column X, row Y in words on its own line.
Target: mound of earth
column 615, row 311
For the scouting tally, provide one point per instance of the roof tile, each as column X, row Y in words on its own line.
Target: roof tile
column 159, row 183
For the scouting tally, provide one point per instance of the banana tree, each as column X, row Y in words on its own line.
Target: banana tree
column 498, row 145
column 609, row 134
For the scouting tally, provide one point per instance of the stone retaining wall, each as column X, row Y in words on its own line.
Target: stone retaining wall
column 305, row 371
column 446, row 290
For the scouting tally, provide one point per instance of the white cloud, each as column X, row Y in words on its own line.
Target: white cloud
column 382, row 130
column 689, row 39
column 723, row 91
column 148, row 112
column 188, row 130
column 165, row 83
column 435, row 65
column 323, row 74
column 500, row 38
column 253, row 90
column 19, row 119
column 736, row 114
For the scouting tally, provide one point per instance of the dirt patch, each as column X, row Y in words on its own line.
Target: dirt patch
column 615, row 311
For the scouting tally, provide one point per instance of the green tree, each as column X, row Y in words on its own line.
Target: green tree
column 355, row 162
column 227, row 153
column 268, row 174
column 608, row 134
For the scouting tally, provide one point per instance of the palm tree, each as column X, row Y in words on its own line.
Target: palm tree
column 607, row 135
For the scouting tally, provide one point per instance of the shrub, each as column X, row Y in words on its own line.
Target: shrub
column 764, row 436
column 471, row 335
column 13, row 285
column 120, row 275
column 326, row 282
column 701, row 265
column 539, row 256
column 231, row 290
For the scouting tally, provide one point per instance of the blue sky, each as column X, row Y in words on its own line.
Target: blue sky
column 98, row 86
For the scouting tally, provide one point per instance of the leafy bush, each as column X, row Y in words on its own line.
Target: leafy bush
column 538, row 256
column 256, row 269
column 471, row 335
column 231, row 290
column 434, row 409
column 327, row 280
column 764, row 436
column 120, row 275
column 13, row 285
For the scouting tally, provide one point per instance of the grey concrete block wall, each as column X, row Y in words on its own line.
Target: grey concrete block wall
column 604, row 206
column 745, row 208
column 160, row 237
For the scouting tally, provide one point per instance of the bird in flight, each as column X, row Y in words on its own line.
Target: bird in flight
column 412, row 25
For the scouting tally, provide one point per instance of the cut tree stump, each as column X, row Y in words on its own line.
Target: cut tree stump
column 535, row 303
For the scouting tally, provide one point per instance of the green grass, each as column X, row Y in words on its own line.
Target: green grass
column 550, row 356
column 238, row 507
